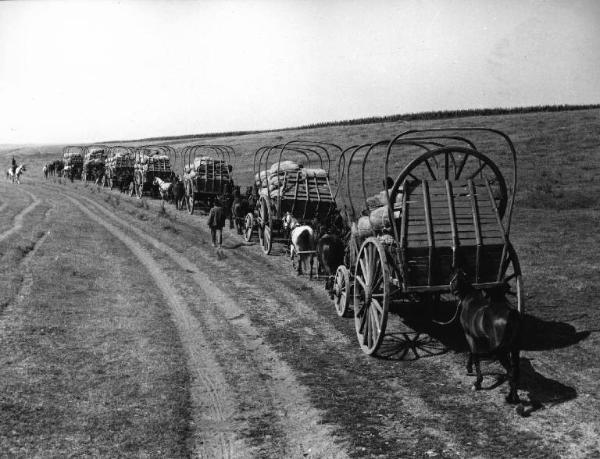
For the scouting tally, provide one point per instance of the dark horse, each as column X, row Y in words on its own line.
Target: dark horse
column 330, row 248
column 491, row 328
column 239, row 208
column 330, row 255
column 178, row 192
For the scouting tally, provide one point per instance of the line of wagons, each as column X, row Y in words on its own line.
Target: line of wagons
column 409, row 210
column 204, row 170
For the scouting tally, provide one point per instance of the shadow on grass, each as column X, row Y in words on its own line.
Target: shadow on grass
column 426, row 338
column 543, row 335
column 542, row 391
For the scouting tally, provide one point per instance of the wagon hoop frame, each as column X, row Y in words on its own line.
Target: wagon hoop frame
column 512, row 191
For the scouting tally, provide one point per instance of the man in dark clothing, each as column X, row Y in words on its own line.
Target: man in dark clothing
column 14, row 166
column 216, row 222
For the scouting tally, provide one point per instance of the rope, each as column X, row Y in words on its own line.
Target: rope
column 453, row 317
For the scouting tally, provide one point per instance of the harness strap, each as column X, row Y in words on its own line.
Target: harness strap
column 458, row 302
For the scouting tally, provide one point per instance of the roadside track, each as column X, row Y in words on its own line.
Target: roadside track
column 18, row 219
column 291, row 411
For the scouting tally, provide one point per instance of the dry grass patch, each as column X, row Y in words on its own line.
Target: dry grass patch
column 90, row 363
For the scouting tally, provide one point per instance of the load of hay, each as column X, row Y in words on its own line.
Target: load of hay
column 151, row 162
column 94, row 158
column 120, row 159
column 73, row 158
column 208, row 168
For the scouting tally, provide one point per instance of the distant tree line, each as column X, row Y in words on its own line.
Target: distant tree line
column 421, row 116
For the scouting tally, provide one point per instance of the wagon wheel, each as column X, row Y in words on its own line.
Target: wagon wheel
column 513, row 282
column 371, row 295
column 341, row 291
column 456, row 164
column 264, row 230
column 189, row 202
column 267, row 242
column 248, row 227
column 189, row 198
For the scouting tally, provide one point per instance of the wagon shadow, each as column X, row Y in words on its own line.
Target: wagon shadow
column 544, row 335
column 424, row 338
column 408, row 346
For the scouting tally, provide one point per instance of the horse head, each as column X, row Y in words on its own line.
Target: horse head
column 459, row 283
column 289, row 221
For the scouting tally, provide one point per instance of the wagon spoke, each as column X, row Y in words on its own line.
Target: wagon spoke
column 377, row 282
column 364, row 330
column 430, row 170
column 370, row 327
column 376, row 306
column 374, row 321
column 361, row 282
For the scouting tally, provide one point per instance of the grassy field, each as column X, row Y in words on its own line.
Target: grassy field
column 377, row 407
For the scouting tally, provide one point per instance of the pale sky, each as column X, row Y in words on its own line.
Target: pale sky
column 97, row 70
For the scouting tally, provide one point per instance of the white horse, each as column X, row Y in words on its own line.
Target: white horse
column 302, row 239
column 17, row 174
column 164, row 188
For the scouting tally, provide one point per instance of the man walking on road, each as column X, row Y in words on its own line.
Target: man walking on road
column 216, row 222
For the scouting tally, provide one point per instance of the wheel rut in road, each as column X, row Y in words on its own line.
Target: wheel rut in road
column 214, row 431
column 276, row 303
column 18, row 219
column 286, row 402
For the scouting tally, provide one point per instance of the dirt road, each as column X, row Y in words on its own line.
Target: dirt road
column 275, row 373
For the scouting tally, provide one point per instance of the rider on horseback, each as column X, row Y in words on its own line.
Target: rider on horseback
column 14, row 166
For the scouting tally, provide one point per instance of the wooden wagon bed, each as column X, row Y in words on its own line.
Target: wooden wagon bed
column 445, row 224
column 305, row 197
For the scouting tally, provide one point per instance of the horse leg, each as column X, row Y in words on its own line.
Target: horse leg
column 513, row 375
column 470, row 364
column 312, row 260
column 479, row 380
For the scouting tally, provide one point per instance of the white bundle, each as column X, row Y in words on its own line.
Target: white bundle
column 376, row 221
column 284, row 166
column 157, row 158
column 262, row 175
column 314, row 173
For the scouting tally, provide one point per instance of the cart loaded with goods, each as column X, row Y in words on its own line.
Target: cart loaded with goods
column 94, row 163
column 207, row 174
column 73, row 161
column 432, row 201
column 151, row 161
column 119, row 166
column 290, row 178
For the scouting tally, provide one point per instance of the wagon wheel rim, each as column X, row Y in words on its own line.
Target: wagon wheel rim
column 248, row 227
column 341, row 291
column 267, row 243
column 371, row 295
column 513, row 280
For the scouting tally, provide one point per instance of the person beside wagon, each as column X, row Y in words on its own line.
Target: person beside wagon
column 216, row 222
